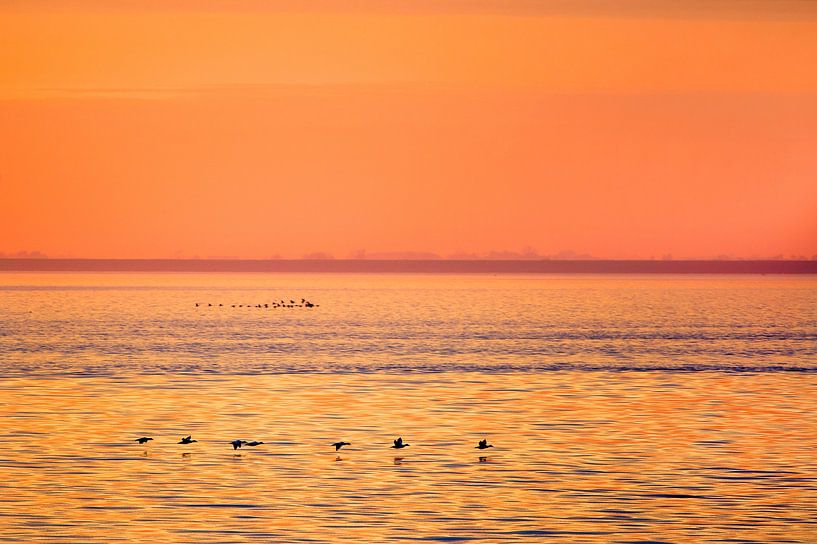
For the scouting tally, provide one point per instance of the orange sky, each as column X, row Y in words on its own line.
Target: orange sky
column 252, row 129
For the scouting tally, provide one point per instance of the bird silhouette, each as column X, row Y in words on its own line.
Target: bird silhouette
column 483, row 444
column 143, row 439
column 187, row 440
column 339, row 445
column 253, row 443
column 399, row 444
column 238, row 443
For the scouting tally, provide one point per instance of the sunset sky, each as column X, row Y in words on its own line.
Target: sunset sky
column 254, row 129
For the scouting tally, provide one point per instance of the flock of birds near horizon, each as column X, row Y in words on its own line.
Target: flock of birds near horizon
column 238, row 444
column 282, row 304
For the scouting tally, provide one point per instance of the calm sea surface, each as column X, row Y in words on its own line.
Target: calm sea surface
column 623, row 409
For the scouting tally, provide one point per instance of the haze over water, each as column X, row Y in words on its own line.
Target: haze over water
column 622, row 408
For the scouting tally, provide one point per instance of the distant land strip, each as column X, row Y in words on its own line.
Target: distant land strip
column 414, row 266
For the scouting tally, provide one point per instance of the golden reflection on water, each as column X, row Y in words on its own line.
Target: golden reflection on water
column 581, row 457
column 91, row 324
column 599, row 437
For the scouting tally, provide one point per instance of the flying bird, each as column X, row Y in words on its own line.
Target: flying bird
column 253, row 443
column 238, row 443
column 339, row 445
column 143, row 439
column 187, row 440
column 483, row 444
column 399, row 444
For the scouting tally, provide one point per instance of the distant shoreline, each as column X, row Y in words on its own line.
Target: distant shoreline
column 414, row 266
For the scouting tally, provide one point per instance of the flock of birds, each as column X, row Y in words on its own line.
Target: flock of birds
column 237, row 444
column 279, row 304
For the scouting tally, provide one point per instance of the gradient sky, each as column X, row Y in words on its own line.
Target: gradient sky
column 252, row 129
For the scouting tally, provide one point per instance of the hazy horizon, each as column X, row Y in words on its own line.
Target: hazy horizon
column 412, row 256
column 416, row 266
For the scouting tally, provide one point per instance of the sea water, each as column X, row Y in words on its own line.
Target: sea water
column 621, row 408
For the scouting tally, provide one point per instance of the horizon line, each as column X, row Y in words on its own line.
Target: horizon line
column 493, row 266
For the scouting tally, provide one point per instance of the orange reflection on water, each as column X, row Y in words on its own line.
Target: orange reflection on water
column 622, row 409
column 588, row 457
